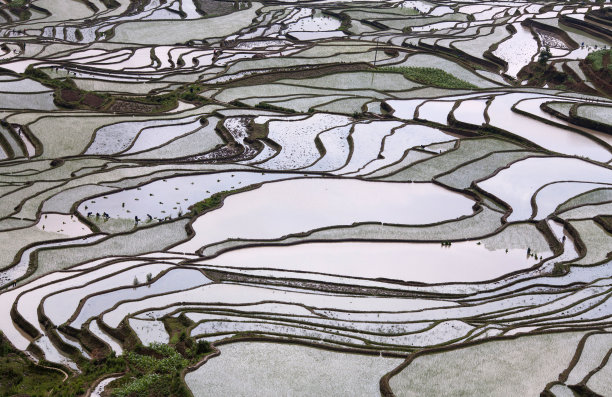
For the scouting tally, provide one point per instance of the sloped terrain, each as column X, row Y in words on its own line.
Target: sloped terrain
column 204, row 197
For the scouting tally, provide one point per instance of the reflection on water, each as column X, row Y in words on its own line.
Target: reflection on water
column 419, row 262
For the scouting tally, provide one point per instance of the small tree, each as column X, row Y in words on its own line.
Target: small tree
column 545, row 55
column 202, row 347
column 136, row 282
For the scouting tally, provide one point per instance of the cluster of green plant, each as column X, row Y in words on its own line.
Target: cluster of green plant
column 153, row 371
column 596, row 59
column 91, row 371
column 161, row 102
column 544, row 56
column 213, row 201
column 20, row 8
column 190, row 93
column 156, row 370
column 20, row 376
column 45, row 79
column 430, row 76
column 177, row 326
column 269, row 106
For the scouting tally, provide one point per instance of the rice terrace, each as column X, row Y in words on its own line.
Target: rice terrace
column 305, row 198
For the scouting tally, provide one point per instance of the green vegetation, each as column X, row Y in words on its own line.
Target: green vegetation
column 544, row 56
column 430, row 76
column 345, row 22
column 269, row 106
column 20, row 376
column 17, row 3
column 600, row 62
column 68, row 95
column 157, row 370
column 177, row 327
column 78, row 385
column 20, row 8
column 596, row 59
column 148, row 371
column 45, row 79
column 213, row 201
column 154, row 371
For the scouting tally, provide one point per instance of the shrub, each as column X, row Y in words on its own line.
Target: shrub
column 544, row 56
column 596, row 61
column 202, row 347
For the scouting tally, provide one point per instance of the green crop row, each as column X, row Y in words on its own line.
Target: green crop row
column 430, row 76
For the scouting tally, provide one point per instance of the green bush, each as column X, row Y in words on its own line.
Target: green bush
column 595, row 59
column 203, row 347
column 155, row 372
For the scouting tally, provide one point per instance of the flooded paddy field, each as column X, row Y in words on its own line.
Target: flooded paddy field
column 257, row 198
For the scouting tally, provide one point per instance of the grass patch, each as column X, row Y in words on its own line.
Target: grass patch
column 430, row 76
